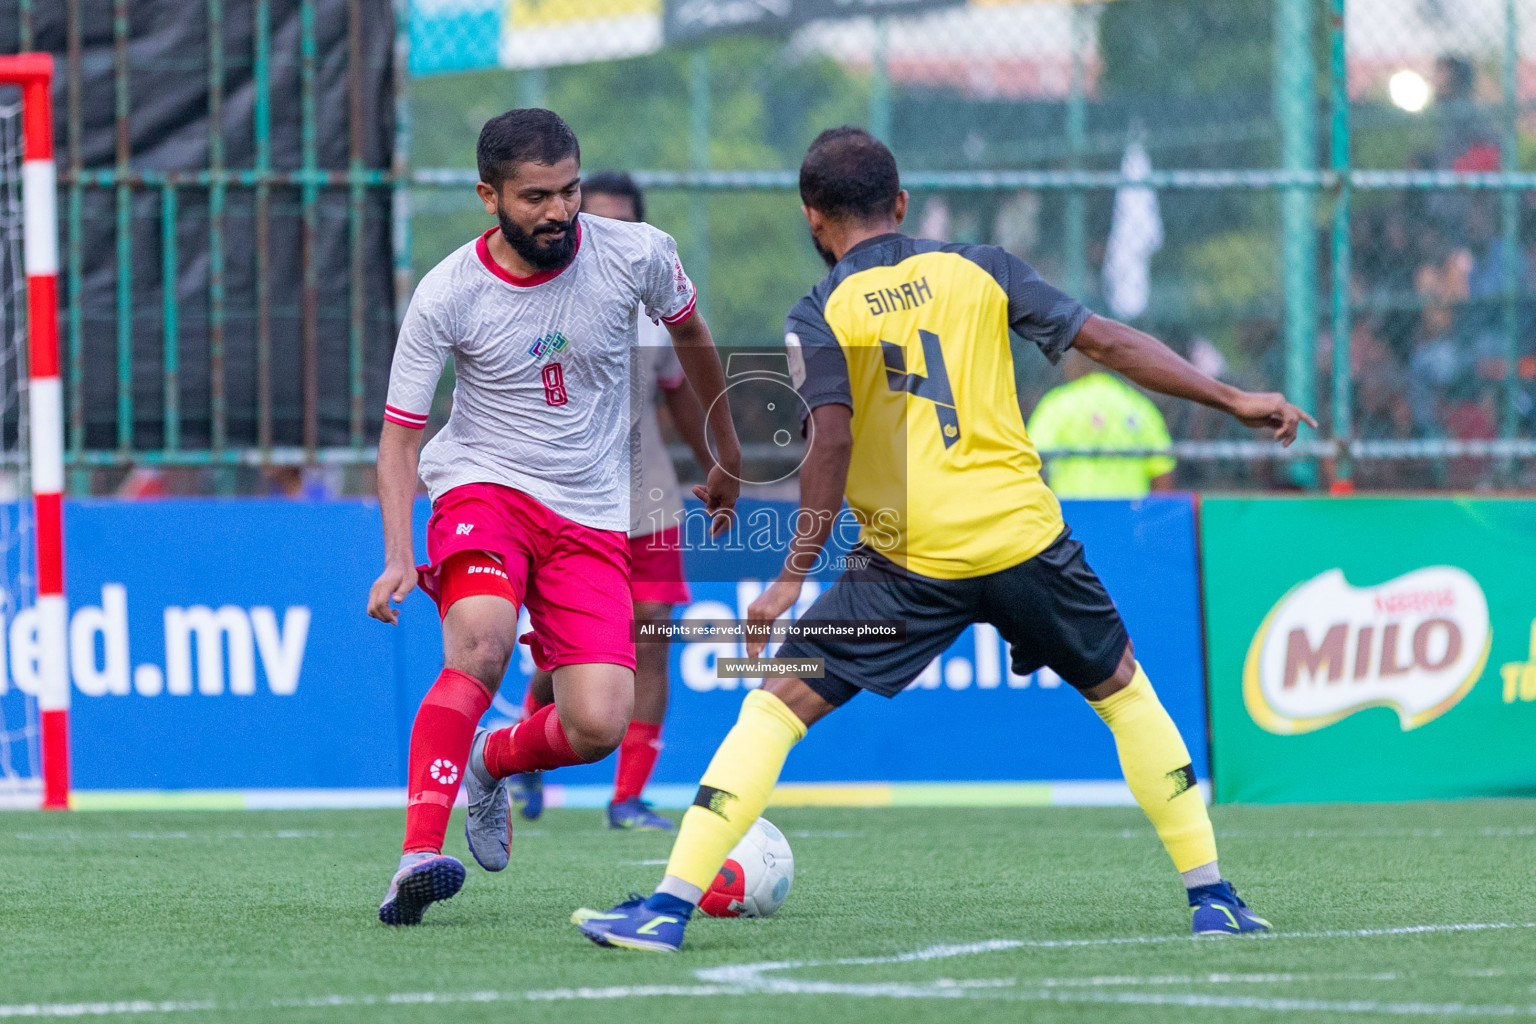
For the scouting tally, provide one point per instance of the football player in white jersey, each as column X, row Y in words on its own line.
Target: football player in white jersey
column 530, row 483
column 656, row 576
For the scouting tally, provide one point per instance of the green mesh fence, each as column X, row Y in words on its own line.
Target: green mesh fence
column 1331, row 199
column 1309, row 182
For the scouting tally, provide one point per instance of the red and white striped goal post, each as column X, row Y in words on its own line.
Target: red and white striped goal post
column 33, row 72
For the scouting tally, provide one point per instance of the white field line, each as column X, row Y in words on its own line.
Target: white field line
column 752, row 979
column 103, row 1009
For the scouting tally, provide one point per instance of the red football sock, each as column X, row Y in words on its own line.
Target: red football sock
column 531, row 704
column 536, row 744
column 637, row 759
column 440, row 741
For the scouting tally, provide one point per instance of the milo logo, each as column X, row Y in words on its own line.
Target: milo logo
column 1416, row 644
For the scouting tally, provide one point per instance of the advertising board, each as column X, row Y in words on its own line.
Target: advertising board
column 1370, row 649
column 224, row 645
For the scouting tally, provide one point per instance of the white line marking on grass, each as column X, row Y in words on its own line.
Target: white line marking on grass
column 1194, row 1000
column 803, row 834
column 103, row 1009
column 1119, row 980
column 752, row 979
column 641, row 863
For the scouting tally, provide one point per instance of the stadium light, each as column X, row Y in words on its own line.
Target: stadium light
column 1409, row 91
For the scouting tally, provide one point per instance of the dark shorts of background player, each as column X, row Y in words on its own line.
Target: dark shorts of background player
column 1052, row 610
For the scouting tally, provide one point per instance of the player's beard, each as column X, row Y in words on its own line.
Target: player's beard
column 823, row 252
column 551, row 256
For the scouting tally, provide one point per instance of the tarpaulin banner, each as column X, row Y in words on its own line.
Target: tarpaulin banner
column 1371, row 649
column 223, row 644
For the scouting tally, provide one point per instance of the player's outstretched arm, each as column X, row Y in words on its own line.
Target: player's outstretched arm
column 1159, row 368
column 823, row 479
column 700, row 361
column 398, row 448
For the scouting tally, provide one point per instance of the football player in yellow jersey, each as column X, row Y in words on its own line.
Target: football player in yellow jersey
column 901, row 355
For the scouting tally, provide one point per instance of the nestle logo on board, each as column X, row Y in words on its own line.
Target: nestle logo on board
column 1416, row 644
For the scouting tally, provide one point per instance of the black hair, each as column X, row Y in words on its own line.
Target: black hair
column 615, row 183
column 848, row 174
column 525, row 135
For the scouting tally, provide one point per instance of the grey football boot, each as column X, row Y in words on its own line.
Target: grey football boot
column 488, row 825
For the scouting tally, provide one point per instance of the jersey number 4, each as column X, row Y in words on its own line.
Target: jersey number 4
column 934, row 387
column 554, row 385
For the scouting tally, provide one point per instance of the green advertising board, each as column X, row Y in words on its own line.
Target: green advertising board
column 1370, row 648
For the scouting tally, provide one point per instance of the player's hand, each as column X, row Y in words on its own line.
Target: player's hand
column 394, row 583
column 765, row 611
column 1270, row 409
column 719, row 496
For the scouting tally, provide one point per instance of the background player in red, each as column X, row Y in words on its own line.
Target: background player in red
column 530, row 483
column 656, row 576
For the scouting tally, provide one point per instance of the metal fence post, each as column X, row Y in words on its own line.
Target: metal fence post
column 261, row 123
column 1343, row 398
column 358, row 309
column 400, row 162
column 1509, row 162
column 699, row 160
column 1074, row 214
column 169, row 261
column 1295, row 84
column 124, row 231
column 224, row 476
column 79, row 475
column 880, row 85
column 310, row 199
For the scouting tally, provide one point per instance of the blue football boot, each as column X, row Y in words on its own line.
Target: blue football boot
column 423, row 879
column 528, row 794
column 637, row 814
column 634, row 925
column 1219, row 911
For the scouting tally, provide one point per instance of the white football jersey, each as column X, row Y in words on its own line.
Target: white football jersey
column 542, row 395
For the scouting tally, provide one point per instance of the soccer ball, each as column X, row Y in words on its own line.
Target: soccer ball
column 756, row 876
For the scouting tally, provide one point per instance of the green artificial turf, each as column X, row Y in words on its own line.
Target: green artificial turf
column 270, row 916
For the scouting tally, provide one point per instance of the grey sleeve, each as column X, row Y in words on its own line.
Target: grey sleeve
column 817, row 366
column 1037, row 311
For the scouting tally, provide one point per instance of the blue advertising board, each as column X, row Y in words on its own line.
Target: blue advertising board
column 223, row 644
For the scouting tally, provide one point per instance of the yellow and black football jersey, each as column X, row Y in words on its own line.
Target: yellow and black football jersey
column 912, row 335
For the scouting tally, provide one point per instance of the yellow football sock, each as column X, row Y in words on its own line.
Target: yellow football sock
column 1157, row 768
column 735, row 787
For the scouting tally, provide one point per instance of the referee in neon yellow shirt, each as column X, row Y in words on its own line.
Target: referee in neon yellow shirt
column 1101, row 412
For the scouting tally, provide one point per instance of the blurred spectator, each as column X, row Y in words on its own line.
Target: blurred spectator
column 1472, row 419
column 1442, row 282
column 1100, row 412
column 303, row 483
column 1388, row 265
column 1467, row 140
column 144, row 482
column 1381, row 405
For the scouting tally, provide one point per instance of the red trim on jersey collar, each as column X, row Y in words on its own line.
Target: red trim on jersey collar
column 484, row 252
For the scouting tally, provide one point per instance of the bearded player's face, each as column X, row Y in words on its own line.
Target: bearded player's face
column 537, row 210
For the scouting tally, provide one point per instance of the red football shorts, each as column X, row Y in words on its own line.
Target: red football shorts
column 574, row 579
column 656, row 568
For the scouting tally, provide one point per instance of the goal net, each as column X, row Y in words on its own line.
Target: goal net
column 21, row 768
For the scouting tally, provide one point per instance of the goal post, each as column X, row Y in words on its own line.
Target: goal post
column 44, row 410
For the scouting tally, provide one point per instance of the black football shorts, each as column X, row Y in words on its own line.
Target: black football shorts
column 1051, row 609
